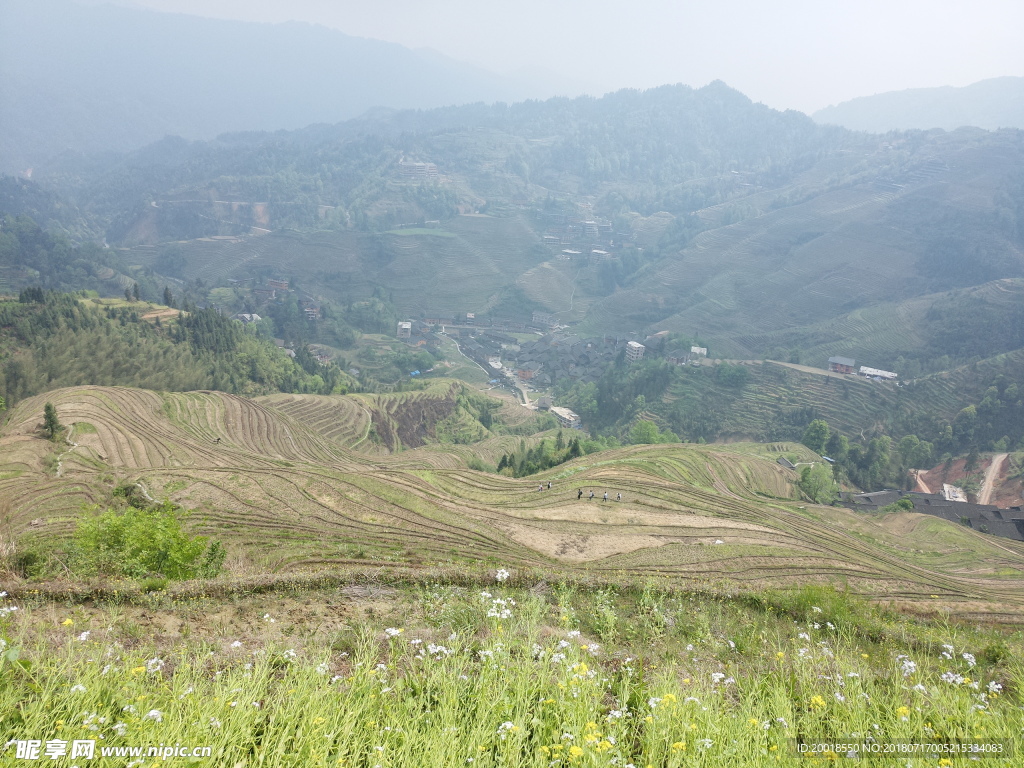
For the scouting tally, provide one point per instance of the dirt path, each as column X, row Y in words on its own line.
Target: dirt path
column 921, row 485
column 990, row 475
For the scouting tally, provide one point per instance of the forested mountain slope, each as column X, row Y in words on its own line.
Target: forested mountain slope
column 994, row 103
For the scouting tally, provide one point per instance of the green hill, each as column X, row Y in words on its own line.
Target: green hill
column 50, row 340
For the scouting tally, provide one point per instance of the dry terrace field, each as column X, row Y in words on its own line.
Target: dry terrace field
column 285, row 495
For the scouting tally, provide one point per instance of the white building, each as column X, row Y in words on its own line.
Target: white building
column 872, row 373
column 567, row 418
column 405, row 330
column 699, row 351
column 634, row 351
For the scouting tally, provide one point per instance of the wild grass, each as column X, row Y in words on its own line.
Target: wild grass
column 556, row 675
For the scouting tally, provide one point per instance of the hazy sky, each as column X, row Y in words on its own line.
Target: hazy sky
column 800, row 54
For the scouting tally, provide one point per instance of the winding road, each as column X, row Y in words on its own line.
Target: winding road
column 990, row 476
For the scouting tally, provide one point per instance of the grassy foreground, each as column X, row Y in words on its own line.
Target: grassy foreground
column 510, row 672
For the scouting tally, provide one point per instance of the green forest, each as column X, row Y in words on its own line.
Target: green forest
column 50, row 340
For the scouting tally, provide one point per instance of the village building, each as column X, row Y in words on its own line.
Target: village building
column 264, row 294
column 281, row 285
column 438, row 317
column 634, row 351
column 699, row 351
column 841, row 364
column 566, row 418
column 405, row 330
column 528, row 370
column 875, row 373
column 247, row 318
column 543, row 319
column 417, row 170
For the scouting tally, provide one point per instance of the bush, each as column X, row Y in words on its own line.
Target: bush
column 143, row 542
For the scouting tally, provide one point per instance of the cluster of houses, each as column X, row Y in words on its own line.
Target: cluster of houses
column 274, row 289
column 846, row 365
column 985, row 518
column 557, row 356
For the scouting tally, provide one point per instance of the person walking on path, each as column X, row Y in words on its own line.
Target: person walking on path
column 606, row 495
column 540, row 487
column 579, row 494
column 549, row 485
column 618, row 497
column 591, row 495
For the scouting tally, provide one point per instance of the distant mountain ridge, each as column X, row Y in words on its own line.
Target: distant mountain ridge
column 989, row 104
column 104, row 78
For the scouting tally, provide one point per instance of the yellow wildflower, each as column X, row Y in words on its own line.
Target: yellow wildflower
column 903, row 711
column 679, row 746
column 575, row 751
column 817, row 702
column 67, row 622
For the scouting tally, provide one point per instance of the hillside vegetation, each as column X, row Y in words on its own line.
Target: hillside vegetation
column 507, row 667
column 50, row 340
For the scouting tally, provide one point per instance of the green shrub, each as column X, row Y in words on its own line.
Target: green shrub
column 143, row 542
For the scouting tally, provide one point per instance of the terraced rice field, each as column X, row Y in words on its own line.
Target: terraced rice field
column 284, row 496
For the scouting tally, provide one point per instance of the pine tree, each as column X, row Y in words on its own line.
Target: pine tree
column 135, row 291
column 50, row 422
column 168, row 296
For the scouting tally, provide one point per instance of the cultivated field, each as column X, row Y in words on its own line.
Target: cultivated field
column 285, row 496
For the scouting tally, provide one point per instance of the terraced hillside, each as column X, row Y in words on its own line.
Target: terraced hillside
column 445, row 412
column 283, row 496
column 879, row 334
column 460, row 268
column 792, row 263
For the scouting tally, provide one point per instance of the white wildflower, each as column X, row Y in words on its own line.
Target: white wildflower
column 952, row 678
column 393, row 631
column 501, row 575
column 78, row 689
column 155, row 714
column 236, row 644
column 969, row 658
column 994, row 687
column 154, row 665
column 84, row 636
